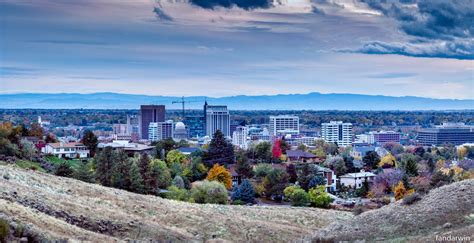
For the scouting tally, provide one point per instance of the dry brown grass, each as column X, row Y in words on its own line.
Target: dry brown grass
column 63, row 208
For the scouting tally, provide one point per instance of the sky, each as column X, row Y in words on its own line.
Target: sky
column 238, row 47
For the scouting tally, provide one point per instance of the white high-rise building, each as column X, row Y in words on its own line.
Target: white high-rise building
column 160, row 130
column 337, row 132
column 284, row 125
column 217, row 118
column 240, row 137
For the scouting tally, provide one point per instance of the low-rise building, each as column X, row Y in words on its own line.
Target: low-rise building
column 66, row 150
column 355, row 180
column 300, row 155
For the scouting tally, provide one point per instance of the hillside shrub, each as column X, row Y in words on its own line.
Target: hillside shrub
column 300, row 198
column 410, row 199
column 176, row 193
column 64, row 169
column 209, row 192
column 4, row 230
column 318, row 197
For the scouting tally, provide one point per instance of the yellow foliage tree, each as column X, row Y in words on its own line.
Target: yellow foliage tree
column 462, row 152
column 220, row 174
column 387, row 161
column 400, row 191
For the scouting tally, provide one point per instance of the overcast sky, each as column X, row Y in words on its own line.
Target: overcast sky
column 232, row 47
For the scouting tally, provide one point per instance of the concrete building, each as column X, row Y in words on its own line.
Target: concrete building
column 160, row 130
column 383, row 137
column 337, row 132
column 180, row 131
column 217, row 118
column 448, row 133
column 150, row 114
column 284, row 125
column 240, row 137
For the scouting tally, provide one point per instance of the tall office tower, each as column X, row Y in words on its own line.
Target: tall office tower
column 448, row 133
column 150, row 113
column 240, row 137
column 337, row 132
column 134, row 126
column 195, row 126
column 217, row 118
column 160, row 130
column 284, row 124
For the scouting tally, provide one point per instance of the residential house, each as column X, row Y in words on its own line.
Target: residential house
column 300, row 155
column 355, row 180
column 66, row 150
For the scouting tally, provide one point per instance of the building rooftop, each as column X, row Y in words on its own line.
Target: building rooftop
column 357, row 175
column 66, row 145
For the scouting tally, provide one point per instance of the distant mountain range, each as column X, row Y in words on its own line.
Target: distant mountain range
column 311, row 101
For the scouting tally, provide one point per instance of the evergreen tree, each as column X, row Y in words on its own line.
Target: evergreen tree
column 144, row 167
column 158, row 176
column 306, row 174
column 121, row 174
column 275, row 182
column 317, row 180
column 137, row 182
column 90, row 141
column 247, row 192
column 220, row 151
column 83, row 173
column 371, row 159
column 243, row 167
column 178, row 182
column 291, row 170
column 235, row 194
column 104, row 166
column 64, row 169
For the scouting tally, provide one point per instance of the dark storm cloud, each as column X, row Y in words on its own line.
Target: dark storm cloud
column 245, row 4
column 440, row 28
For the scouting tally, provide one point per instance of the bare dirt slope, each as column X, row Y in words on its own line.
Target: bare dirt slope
column 448, row 210
column 51, row 207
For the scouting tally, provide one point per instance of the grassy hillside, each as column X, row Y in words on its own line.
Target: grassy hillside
column 76, row 210
column 43, row 206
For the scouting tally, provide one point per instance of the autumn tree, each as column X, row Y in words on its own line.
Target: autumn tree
column 387, row 161
column 221, row 174
column 276, row 149
column 175, row 156
column 399, row 191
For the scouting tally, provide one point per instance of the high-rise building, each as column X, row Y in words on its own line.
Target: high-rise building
column 240, row 137
column 337, row 132
column 160, row 130
column 448, row 133
column 284, row 125
column 217, row 118
column 148, row 114
column 195, row 126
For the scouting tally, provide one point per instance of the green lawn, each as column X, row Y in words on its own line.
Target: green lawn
column 25, row 164
column 74, row 163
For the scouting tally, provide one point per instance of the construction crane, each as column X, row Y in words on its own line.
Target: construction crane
column 182, row 102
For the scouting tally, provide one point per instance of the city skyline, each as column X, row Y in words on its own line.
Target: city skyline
column 175, row 48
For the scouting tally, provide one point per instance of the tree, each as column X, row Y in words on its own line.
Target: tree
column 64, row 169
column 220, row 174
column 399, row 191
column 137, row 182
column 318, row 197
column 104, row 166
column 394, row 148
column 243, row 167
column 317, row 180
column 121, row 176
column 28, row 149
column 175, row 156
column 337, row 164
column 245, row 192
column 158, row 176
column 90, row 141
column 144, row 167
column 83, row 172
column 164, row 146
column 300, row 198
column 302, row 147
column 409, row 164
column 306, row 173
column 263, row 152
column 220, row 151
column 178, row 182
column 371, row 159
column 276, row 149
column 275, row 182
column 36, row 130
column 175, row 193
column 387, row 161
column 209, row 192
column 284, row 146
column 198, row 169
column 50, row 138
column 291, row 170
column 262, row 170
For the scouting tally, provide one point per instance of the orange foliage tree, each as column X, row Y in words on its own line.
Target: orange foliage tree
column 400, row 191
column 221, row 174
